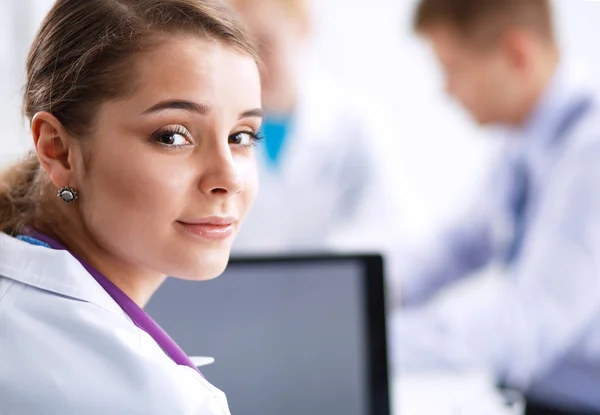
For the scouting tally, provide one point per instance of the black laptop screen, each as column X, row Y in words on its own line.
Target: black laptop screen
column 289, row 337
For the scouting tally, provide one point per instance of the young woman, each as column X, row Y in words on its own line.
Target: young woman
column 143, row 115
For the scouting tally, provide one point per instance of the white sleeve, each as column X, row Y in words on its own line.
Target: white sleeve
column 61, row 355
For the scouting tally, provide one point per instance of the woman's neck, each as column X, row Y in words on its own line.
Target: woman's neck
column 138, row 284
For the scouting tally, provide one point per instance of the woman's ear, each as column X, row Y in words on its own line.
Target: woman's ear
column 53, row 146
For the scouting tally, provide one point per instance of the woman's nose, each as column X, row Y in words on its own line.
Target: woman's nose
column 221, row 175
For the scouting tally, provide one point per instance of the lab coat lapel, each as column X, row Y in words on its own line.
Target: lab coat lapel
column 51, row 270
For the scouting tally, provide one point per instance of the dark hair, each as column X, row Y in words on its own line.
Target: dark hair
column 486, row 20
column 82, row 56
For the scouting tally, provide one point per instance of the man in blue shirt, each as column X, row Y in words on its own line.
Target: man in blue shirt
column 538, row 218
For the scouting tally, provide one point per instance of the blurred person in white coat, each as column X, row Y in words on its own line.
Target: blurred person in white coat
column 144, row 115
column 537, row 218
column 322, row 175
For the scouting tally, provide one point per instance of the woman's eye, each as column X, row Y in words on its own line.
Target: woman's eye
column 172, row 137
column 243, row 138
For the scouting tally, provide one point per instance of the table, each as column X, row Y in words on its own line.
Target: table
column 450, row 394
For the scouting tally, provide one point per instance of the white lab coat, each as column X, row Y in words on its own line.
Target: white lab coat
column 328, row 191
column 66, row 347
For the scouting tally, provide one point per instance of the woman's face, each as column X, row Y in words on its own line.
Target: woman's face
column 171, row 172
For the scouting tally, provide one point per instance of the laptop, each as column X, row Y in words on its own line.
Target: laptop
column 292, row 335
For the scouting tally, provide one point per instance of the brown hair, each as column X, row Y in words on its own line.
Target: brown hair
column 486, row 20
column 82, row 56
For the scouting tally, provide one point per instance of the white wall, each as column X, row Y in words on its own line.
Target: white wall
column 437, row 154
column 19, row 20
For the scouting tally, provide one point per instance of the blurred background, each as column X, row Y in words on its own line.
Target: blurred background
column 435, row 154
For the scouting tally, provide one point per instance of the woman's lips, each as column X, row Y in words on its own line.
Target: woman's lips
column 213, row 228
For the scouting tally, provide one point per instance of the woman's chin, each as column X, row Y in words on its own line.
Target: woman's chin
column 207, row 267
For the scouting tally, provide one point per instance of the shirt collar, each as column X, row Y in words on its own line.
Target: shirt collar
column 534, row 142
column 564, row 91
column 542, row 121
column 541, row 130
column 51, row 270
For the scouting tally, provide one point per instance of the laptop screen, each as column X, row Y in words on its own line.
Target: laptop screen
column 289, row 336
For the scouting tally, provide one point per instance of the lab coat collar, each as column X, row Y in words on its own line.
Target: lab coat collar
column 51, row 270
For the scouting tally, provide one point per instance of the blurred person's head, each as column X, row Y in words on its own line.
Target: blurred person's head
column 281, row 29
column 149, row 110
column 498, row 56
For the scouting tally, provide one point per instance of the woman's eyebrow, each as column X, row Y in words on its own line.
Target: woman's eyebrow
column 254, row 113
column 178, row 104
column 202, row 109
